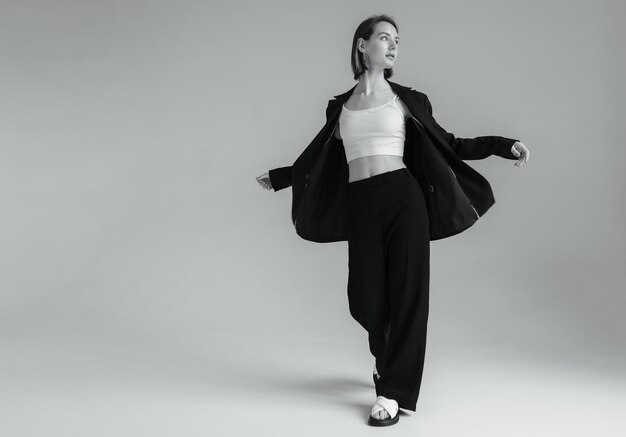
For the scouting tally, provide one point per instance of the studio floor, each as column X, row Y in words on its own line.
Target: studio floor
column 64, row 380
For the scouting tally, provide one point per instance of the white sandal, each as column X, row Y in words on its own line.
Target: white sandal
column 389, row 405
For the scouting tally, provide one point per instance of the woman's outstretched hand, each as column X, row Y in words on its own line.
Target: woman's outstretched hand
column 521, row 151
column 264, row 180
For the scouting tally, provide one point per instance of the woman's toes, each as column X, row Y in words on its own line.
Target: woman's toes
column 382, row 414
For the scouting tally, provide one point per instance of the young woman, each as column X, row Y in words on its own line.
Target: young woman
column 384, row 182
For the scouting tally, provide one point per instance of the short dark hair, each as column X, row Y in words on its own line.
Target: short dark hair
column 365, row 30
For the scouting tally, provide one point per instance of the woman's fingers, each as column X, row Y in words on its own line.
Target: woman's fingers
column 264, row 181
column 523, row 153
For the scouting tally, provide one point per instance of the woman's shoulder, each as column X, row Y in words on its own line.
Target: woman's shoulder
column 417, row 93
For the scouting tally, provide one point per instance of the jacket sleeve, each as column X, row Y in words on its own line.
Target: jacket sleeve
column 474, row 148
column 280, row 177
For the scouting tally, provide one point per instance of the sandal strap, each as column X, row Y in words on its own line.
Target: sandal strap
column 382, row 403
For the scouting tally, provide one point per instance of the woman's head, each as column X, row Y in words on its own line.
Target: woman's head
column 374, row 39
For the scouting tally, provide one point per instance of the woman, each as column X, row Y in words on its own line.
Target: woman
column 387, row 212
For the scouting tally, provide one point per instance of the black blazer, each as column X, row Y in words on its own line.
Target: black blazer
column 456, row 194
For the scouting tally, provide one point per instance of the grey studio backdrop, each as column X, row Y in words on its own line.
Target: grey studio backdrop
column 140, row 257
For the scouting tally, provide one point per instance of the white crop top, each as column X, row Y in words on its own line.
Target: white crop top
column 373, row 131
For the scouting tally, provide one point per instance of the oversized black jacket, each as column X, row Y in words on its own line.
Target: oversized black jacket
column 455, row 193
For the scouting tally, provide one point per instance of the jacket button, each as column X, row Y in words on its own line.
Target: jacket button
column 306, row 175
column 432, row 189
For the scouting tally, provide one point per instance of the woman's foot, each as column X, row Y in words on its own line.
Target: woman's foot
column 384, row 412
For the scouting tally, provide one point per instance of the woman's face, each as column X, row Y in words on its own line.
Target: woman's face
column 382, row 43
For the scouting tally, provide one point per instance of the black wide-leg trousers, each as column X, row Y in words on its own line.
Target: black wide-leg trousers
column 388, row 277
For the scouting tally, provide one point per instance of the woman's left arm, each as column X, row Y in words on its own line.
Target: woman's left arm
column 481, row 147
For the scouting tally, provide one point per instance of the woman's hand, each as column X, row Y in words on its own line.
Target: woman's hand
column 519, row 149
column 264, row 181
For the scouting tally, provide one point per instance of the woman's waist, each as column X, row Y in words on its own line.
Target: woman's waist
column 369, row 166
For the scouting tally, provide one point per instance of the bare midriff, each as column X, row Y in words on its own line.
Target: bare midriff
column 368, row 166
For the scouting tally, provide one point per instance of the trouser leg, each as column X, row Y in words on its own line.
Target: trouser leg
column 367, row 297
column 407, row 248
column 388, row 284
